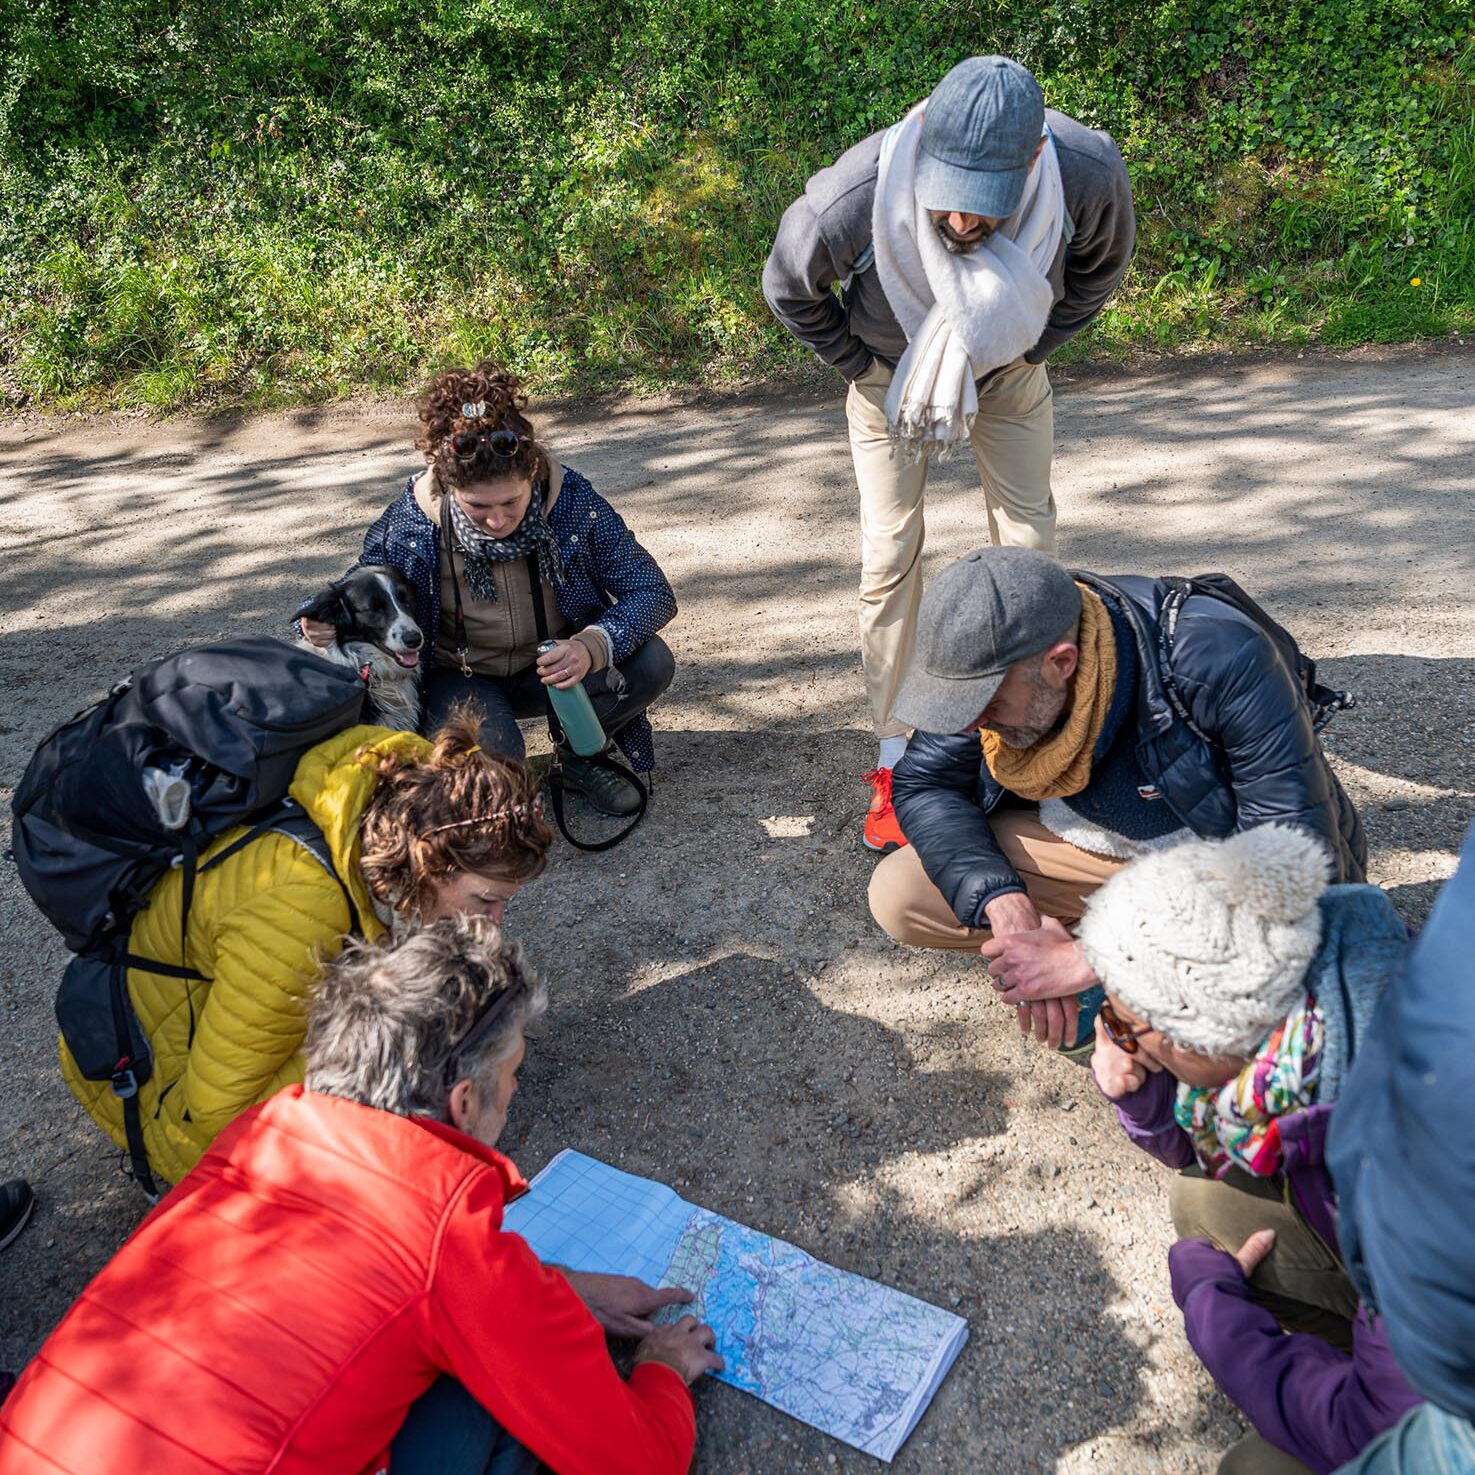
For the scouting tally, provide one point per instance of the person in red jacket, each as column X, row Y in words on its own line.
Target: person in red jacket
column 330, row 1289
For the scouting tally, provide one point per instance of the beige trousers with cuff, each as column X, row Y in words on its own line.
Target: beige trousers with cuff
column 1057, row 876
column 1013, row 437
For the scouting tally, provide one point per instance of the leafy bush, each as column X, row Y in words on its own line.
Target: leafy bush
column 266, row 200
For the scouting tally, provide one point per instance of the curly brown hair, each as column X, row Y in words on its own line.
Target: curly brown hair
column 459, row 810
column 498, row 389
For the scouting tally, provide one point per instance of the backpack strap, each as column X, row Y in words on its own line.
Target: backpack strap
column 124, row 1082
column 555, row 732
column 287, row 819
column 297, row 825
column 1167, row 632
column 292, row 821
column 1323, row 701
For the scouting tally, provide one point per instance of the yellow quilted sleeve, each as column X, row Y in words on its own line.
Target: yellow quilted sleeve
column 269, row 948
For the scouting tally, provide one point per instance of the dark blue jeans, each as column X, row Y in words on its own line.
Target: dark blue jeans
column 618, row 693
column 447, row 1432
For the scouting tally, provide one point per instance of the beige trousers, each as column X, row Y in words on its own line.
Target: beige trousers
column 1013, row 437
column 1057, row 876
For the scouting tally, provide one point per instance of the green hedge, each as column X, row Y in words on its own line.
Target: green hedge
column 260, row 201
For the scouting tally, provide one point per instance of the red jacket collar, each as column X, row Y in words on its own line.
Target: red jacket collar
column 514, row 1185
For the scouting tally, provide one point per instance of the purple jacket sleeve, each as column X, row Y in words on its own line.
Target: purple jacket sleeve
column 1147, row 1118
column 1301, row 1394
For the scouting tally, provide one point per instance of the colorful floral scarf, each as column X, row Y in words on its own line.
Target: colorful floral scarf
column 479, row 552
column 1236, row 1125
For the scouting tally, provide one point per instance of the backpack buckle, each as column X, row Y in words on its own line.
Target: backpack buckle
column 123, row 1081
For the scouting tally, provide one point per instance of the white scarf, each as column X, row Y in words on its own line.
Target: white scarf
column 966, row 315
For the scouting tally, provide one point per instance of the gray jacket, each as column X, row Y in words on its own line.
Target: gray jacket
column 825, row 237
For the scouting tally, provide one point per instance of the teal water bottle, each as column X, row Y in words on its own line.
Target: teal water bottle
column 575, row 714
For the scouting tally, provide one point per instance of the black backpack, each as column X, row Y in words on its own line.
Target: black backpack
column 187, row 748
column 1323, row 701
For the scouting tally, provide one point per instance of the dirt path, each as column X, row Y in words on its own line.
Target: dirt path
column 725, row 1016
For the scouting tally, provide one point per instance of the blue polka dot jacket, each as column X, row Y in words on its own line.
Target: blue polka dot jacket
column 609, row 580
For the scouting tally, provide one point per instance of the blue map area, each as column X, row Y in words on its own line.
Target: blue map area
column 854, row 1358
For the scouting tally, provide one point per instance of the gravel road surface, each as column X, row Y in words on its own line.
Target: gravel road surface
column 725, row 1016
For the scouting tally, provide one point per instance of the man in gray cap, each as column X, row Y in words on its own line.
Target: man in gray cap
column 1062, row 730
column 970, row 240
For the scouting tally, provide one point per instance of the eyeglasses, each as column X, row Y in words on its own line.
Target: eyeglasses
column 1125, row 1039
column 481, row 1027
column 504, row 443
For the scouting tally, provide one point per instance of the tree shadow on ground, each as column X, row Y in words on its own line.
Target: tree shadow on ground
column 817, row 1106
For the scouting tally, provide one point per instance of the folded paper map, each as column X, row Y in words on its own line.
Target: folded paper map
column 849, row 1356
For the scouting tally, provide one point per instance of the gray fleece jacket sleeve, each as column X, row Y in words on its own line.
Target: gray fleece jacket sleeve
column 1099, row 195
column 798, row 277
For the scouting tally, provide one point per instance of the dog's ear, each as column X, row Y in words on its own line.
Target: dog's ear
column 326, row 605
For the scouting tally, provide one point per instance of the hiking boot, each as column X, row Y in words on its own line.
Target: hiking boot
column 16, row 1203
column 602, row 790
column 882, row 831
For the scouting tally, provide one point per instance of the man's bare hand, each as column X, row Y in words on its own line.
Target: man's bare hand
column 1031, row 974
column 1047, row 963
column 1053, row 1022
column 688, row 1347
column 1013, row 912
column 623, row 1305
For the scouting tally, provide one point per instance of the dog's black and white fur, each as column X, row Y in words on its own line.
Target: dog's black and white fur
column 372, row 610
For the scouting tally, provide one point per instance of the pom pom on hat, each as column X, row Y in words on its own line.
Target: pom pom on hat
column 1210, row 940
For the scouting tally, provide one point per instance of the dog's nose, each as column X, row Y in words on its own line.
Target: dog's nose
column 413, row 640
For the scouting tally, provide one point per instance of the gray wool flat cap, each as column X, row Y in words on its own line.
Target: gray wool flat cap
column 992, row 607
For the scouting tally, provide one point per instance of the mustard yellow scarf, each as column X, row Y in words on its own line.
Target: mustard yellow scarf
column 1060, row 765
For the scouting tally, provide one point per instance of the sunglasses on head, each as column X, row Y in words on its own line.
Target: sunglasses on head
column 1118, row 1032
column 505, row 443
column 481, row 1027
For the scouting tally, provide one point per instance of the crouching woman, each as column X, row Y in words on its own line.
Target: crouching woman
column 504, row 548
column 1238, row 987
column 331, row 1288
column 416, row 830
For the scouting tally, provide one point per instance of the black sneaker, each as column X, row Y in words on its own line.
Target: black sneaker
column 602, row 789
column 16, row 1203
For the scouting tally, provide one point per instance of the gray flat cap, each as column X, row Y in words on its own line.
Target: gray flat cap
column 992, row 607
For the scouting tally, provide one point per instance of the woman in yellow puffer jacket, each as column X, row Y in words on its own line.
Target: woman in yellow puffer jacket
column 418, row 830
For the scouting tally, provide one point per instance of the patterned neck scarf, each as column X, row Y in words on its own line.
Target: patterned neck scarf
column 479, row 551
column 1237, row 1125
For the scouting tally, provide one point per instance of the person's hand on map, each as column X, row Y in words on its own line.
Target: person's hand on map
column 621, row 1304
column 687, row 1347
column 1038, row 966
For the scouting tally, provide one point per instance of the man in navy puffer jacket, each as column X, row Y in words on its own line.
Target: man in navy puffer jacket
column 1062, row 679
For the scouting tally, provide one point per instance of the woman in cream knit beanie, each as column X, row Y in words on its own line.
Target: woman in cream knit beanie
column 1238, row 983
column 1211, row 939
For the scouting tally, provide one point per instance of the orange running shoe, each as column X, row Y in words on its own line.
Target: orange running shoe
column 882, row 831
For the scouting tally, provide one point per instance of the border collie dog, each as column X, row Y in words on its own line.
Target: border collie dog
column 372, row 610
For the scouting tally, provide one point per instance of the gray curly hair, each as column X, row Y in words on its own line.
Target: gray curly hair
column 385, row 1019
